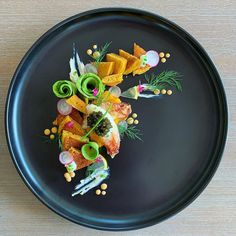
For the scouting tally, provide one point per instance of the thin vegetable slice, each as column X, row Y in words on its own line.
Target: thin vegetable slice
column 64, row 88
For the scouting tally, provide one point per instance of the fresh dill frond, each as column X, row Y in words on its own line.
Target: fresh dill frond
column 131, row 132
column 164, row 79
column 57, row 140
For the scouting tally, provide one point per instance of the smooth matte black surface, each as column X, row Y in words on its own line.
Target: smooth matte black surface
column 183, row 134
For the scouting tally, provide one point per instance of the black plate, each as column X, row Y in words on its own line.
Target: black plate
column 183, row 134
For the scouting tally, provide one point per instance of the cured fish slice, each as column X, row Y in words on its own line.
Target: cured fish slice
column 119, row 111
column 111, row 140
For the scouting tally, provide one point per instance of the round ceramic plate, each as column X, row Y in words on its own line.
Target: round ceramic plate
column 183, row 134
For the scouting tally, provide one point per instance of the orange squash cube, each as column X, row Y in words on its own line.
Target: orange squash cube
column 141, row 70
column 120, row 62
column 105, row 68
column 133, row 62
column 138, row 51
column 77, row 103
column 72, row 140
column 80, row 161
column 112, row 80
column 71, row 125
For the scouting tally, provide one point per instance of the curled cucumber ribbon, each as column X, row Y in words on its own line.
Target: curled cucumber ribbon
column 64, row 88
column 88, row 83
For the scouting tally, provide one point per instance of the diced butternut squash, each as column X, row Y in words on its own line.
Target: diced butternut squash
column 138, row 51
column 77, row 103
column 120, row 62
column 71, row 125
column 98, row 139
column 133, row 62
column 69, row 140
column 141, row 70
column 108, row 97
column 74, row 115
column 105, row 68
column 112, row 80
column 79, row 159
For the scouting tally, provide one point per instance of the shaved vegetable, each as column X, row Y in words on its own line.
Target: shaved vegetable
column 63, row 107
column 87, row 83
column 115, row 91
column 152, row 58
column 64, row 88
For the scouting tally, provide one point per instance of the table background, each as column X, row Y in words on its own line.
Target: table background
column 212, row 23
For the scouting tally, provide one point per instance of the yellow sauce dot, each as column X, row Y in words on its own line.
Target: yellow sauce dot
column 68, row 179
column 96, row 54
column 130, row 121
column 98, row 192
column 72, row 174
column 95, row 46
column 163, row 91
column 161, row 54
column 104, row 193
column 136, row 122
column 167, row 55
column 156, row 92
column 163, row 60
column 67, row 175
column 47, row 131
column 89, row 52
column 103, row 186
column 52, row 136
column 54, row 130
column 134, row 115
column 169, row 92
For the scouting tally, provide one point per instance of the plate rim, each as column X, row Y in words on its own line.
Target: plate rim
column 216, row 156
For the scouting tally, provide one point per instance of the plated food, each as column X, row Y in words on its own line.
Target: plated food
column 94, row 117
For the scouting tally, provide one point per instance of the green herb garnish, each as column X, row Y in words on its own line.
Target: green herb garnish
column 102, row 52
column 164, row 79
column 131, row 132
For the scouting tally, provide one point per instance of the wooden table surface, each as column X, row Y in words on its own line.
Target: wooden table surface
column 212, row 23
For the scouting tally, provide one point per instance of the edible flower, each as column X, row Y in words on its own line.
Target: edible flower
column 95, row 92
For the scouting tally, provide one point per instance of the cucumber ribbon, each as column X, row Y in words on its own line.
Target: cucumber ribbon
column 64, row 88
column 87, row 83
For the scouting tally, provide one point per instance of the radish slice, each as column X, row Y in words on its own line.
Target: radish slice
column 90, row 68
column 115, row 91
column 63, row 107
column 65, row 158
column 152, row 58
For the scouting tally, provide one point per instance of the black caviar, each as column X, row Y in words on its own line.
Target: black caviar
column 103, row 127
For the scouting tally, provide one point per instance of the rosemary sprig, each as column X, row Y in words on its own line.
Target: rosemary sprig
column 164, row 79
column 131, row 132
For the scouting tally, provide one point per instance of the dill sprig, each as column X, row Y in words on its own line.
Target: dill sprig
column 102, row 52
column 131, row 132
column 164, row 79
column 57, row 140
